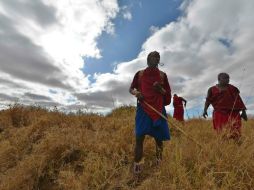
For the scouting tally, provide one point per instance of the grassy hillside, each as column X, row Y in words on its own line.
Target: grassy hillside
column 50, row 150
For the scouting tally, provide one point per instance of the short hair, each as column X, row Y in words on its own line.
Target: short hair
column 221, row 74
column 152, row 54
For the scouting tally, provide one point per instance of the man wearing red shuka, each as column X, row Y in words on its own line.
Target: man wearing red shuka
column 178, row 107
column 150, row 86
column 227, row 105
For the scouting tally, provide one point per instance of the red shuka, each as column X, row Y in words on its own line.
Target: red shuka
column 230, row 121
column 227, row 104
column 143, row 81
column 226, row 100
column 178, row 108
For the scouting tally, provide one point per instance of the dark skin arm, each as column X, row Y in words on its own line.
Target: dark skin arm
column 157, row 86
column 207, row 104
column 185, row 102
column 134, row 86
column 136, row 93
column 244, row 115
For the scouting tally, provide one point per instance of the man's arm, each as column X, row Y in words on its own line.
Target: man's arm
column 244, row 115
column 185, row 102
column 166, row 86
column 136, row 93
column 134, row 86
column 207, row 103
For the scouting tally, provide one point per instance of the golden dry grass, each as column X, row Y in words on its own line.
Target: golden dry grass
column 43, row 150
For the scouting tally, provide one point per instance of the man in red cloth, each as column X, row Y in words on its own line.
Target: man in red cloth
column 151, row 86
column 178, row 107
column 227, row 103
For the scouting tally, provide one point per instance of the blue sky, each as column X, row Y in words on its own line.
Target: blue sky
column 125, row 44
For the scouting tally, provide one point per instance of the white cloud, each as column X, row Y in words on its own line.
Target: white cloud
column 126, row 12
column 127, row 15
column 193, row 51
column 153, row 29
column 43, row 42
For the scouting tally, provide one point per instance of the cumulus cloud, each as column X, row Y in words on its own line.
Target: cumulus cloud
column 153, row 29
column 211, row 37
column 42, row 45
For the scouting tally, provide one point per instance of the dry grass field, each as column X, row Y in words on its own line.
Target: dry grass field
column 49, row 150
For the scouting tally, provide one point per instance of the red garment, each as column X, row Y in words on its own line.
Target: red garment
column 231, row 121
column 178, row 108
column 144, row 84
column 227, row 104
column 178, row 114
column 228, row 99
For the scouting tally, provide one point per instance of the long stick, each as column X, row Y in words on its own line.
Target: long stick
column 236, row 95
column 164, row 117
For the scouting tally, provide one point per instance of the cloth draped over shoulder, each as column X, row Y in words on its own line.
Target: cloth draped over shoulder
column 225, row 100
column 227, row 105
column 177, row 101
column 143, row 81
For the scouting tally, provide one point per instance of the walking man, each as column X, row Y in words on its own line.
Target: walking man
column 178, row 107
column 227, row 103
column 150, row 86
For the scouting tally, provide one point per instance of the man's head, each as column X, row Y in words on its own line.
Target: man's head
column 175, row 94
column 153, row 59
column 223, row 79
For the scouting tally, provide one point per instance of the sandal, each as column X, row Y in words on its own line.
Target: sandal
column 137, row 167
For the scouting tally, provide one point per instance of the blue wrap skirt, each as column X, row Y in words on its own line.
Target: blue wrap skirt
column 146, row 126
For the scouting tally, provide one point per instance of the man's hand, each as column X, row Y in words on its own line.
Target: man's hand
column 138, row 94
column 205, row 115
column 244, row 115
column 158, row 87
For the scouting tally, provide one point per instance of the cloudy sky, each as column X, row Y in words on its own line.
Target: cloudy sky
column 83, row 54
